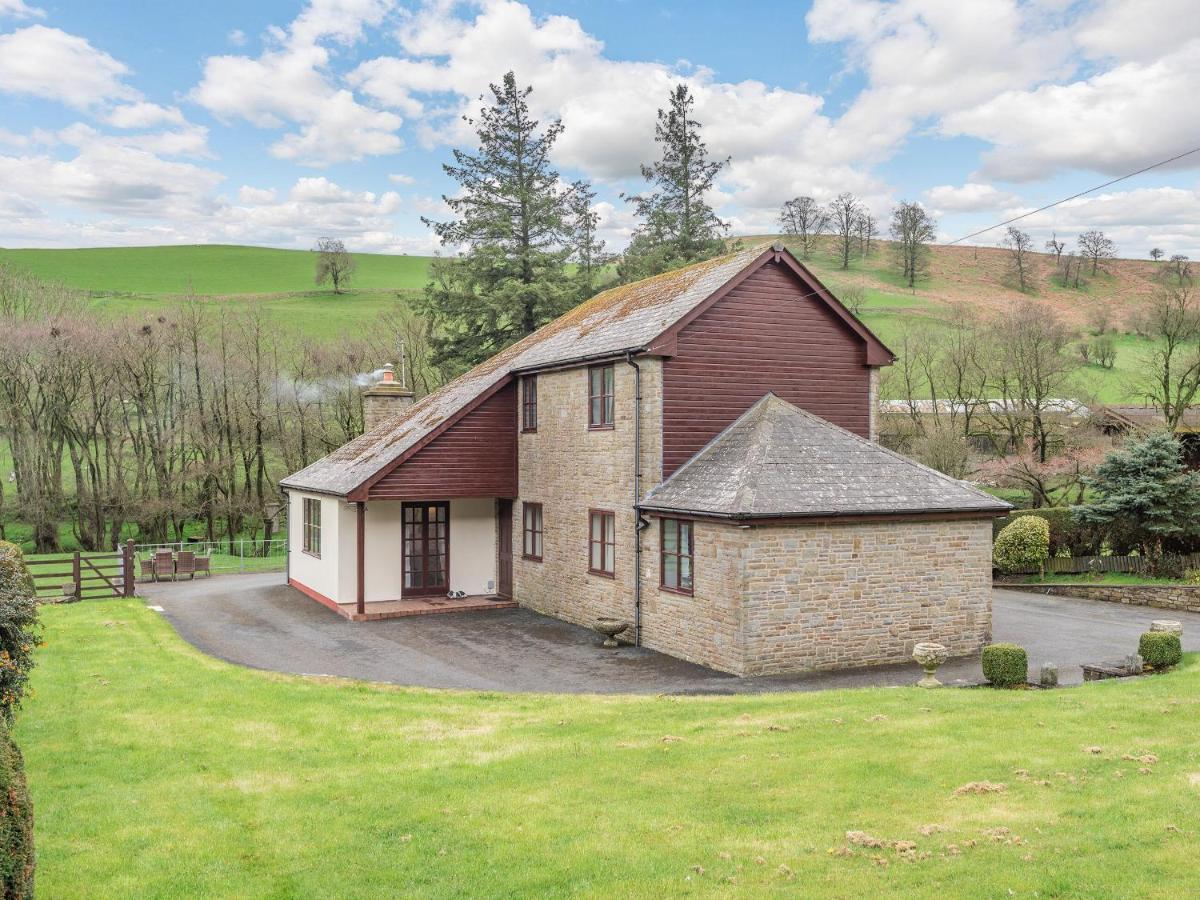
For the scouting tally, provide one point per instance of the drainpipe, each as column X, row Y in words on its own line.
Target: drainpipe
column 287, row 543
column 639, row 524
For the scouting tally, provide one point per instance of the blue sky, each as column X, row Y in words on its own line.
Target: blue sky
column 274, row 123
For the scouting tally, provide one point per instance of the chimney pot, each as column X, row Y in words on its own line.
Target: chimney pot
column 389, row 374
column 385, row 399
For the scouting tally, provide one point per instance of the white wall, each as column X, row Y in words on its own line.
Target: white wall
column 384, row 563
column 473, row 546
column 319, row 574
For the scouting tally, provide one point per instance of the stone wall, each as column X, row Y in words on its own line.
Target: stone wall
column 1182, row 597
column 570, row 469
column 829, row 596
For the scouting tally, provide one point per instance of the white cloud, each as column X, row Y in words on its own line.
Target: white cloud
column 51, row 64
column 236, row 38
column 143, row 115
column 1137, row 30
column 18, row 9
column 291, row 83
column 973, row 196
column 1114, row 122
column 399, row 178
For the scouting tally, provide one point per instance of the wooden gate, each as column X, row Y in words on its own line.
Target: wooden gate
column 85, row 576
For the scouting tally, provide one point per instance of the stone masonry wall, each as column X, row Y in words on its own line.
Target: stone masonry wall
column 706, row 627
column 847, row 595
column 570, row 469
column 1182, row 597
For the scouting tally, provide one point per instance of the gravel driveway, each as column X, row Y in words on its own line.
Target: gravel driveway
column 258, row 621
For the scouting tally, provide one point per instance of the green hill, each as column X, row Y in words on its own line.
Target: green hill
column 208, row 269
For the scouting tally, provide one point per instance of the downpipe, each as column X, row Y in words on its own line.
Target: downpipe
column 639, row 523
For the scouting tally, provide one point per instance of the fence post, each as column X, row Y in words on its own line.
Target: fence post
column 77, row 576
column 127, row 568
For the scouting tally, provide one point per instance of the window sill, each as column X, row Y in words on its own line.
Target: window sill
column 682, row 592
column 528, row 431
column 600, row 574
column 526, row 556
column 600, row 427
column 310, row 553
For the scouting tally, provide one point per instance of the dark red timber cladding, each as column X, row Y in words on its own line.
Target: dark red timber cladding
column 474, row 457
column 764, row 335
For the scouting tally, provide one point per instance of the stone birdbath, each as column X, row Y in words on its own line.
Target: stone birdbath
column 929, row 656
column 610, row 628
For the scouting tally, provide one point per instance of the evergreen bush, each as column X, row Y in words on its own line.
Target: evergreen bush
column 1023, row 545
column 1005, row 665
column 16, row 824
column 18, row 627
column 1160, row 649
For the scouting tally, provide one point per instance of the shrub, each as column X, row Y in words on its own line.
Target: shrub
column 1160, row 649
column 16, row 823
column 1068, row 537
column 18, row 628
column 1023, row 545
column 1005, row 665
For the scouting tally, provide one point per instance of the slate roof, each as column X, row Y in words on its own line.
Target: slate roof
column 623, row 318
column 779, row 461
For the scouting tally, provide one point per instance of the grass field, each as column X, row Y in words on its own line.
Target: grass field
column 159, row 772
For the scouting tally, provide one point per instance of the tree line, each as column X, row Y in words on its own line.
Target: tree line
column 189, row 415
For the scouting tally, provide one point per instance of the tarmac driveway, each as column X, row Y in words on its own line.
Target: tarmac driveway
column 258, row 621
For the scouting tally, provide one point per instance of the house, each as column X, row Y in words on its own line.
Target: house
column 693, row 454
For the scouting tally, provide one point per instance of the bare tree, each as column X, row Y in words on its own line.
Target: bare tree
column 1157, row 253
column 843, row 213
column 1055, row 246
column 804, row 218
column 1071, row 270
column 865, row 230
column 1095, row 245
column 1020, row 248
column 1179, row 269
column 1172, row 369
column 334, row 264
column 912, row 229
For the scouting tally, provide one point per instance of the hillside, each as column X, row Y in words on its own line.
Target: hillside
column 136, row 279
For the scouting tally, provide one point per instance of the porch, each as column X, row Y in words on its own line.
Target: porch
column 385, row 559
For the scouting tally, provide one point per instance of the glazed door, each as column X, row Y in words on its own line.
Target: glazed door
column 504, row 525
column 426, row 549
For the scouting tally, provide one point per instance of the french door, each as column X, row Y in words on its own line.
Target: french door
column 426, row 548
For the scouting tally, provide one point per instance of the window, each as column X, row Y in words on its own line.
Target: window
column 676, row 550
column 529, row 403
column 532, row 542
column 312, row 526
column 600, row 397
column 602, row 542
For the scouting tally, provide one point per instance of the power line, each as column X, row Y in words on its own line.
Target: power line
column 1072, row 197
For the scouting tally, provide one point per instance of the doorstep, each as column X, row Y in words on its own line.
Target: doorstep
column 423, row 606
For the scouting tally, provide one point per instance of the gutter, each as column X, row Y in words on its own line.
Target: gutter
column 639, row 523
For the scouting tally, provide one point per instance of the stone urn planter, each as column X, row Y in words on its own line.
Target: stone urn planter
column 929, row 656
column 610, row 628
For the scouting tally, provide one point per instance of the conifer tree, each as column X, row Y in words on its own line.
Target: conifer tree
column 587, row 249
column 513, row 223
column 678, row 226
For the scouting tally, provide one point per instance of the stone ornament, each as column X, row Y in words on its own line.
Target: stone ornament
column 929, row 656
column 610, row 628
column 1168, row 625
column 1048, row 676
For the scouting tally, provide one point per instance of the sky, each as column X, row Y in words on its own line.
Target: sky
column 274, row 123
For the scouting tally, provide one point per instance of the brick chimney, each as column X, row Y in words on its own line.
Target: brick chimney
column 384, row 399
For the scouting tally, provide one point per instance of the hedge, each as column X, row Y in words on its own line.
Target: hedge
column 16, row 824
column 1067, row 537
column 1005, row 665
column 1160, row 649
column 19, row 633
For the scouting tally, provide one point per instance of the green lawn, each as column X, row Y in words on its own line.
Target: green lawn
column 1101, row 578
column 159, row 772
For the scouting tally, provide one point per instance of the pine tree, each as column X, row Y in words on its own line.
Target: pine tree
column 677, row 224
column 587, row 249
column 513, row 223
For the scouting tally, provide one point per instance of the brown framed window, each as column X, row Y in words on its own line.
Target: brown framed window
column 600, row 397
column 531, row 516
column 677, row 552
column 312, row 527
column 529, row 403
column 602, row 542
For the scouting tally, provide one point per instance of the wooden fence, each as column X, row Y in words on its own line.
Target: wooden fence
column 85, row 576
column 1075, row 565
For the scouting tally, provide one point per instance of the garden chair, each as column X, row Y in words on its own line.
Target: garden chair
column 164, row 564
column 204, row 564
column 185, row 563
column 148, row 569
